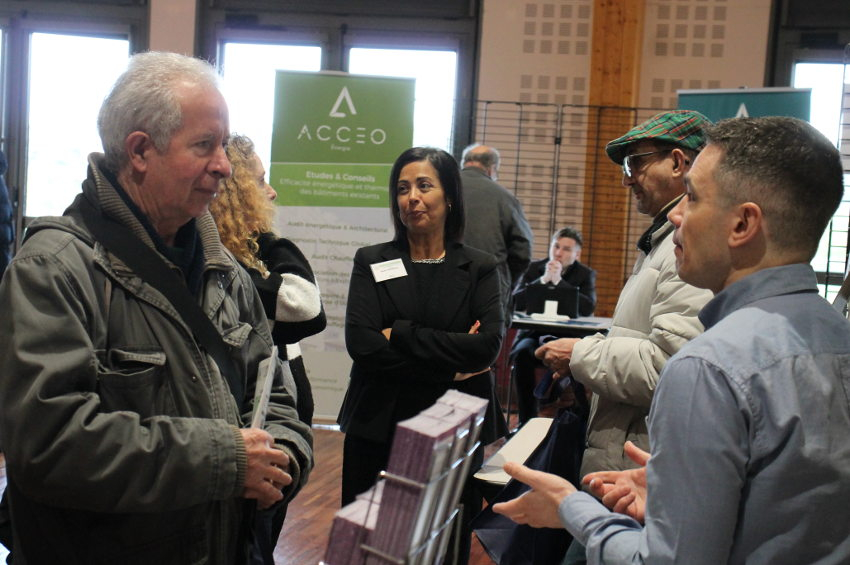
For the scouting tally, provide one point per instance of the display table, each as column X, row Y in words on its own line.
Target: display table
column 574, row 327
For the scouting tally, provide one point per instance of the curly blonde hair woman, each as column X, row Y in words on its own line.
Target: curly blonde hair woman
column 244, row 213
column 243, row 210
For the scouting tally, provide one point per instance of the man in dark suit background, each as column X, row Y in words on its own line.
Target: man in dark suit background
column 561, row 269
column 495, row 222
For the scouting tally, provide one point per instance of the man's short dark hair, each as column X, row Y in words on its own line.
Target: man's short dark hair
column 568, row 232
column 787, row 167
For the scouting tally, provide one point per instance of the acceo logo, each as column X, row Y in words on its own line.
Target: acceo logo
column 342, row 108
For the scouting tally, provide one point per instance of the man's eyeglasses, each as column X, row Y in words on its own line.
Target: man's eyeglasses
column 631, row 163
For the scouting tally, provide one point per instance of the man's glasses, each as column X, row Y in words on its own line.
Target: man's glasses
column 631, row 163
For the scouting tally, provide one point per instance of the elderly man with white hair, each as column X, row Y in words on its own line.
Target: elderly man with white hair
column 123, row 416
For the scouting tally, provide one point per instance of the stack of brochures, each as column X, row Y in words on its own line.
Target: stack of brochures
column 405, row 518
column 352, row 524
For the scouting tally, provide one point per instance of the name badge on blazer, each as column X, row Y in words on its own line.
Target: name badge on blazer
column 387, row 270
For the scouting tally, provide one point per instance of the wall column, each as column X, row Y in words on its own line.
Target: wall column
column 614, row 79
column 172, row 26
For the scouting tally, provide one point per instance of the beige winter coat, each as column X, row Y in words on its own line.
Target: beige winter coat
column 655, row 316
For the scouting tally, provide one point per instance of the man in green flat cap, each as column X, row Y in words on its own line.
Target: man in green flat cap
column 656, row 313
column 750, row 424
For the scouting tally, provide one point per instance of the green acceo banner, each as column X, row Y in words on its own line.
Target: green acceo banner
column 748, row 102
column 336, row 136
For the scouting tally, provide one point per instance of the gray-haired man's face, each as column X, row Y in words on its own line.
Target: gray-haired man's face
column 180, row 182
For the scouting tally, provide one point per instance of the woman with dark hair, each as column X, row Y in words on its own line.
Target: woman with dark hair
column 423, row 316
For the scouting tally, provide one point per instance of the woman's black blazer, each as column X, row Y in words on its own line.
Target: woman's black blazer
column 394, row 380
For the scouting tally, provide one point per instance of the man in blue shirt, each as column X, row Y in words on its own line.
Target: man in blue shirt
column 750, row 424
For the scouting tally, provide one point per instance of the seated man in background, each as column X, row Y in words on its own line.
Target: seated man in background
column 750, row 425
column 562, row 269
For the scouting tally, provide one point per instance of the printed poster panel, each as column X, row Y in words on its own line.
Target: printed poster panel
column 334, row 141
column 718, row 104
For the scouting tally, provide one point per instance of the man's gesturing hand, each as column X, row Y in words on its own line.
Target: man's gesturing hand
column 538, row 507
column 623, row 491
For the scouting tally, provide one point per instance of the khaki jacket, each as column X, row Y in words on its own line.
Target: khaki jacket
column 655, row 316
column 121, row 436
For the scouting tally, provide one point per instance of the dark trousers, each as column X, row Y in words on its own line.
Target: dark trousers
column 362, row 461
column 305, row 404
column 269, row 523
column 267, row 526
column 525, row 364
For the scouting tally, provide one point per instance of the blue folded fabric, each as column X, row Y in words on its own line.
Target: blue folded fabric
column 549, row 389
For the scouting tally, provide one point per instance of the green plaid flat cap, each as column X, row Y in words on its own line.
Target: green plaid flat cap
column 679, row 127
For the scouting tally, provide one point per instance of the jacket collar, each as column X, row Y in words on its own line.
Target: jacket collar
column 660, row 227
column 476, row 170
column 775, row 281
column 99, row 188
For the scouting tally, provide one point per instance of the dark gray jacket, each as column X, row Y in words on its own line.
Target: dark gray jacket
column 495, row 223
column 121, row 436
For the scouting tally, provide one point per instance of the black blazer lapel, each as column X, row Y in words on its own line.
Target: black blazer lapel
column 452, row 288
column 401, row 290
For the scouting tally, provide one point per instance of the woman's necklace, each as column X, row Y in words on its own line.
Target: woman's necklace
column 436, row 261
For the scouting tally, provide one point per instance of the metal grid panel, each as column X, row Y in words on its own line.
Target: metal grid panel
column 525, row 135
column 544, row 149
